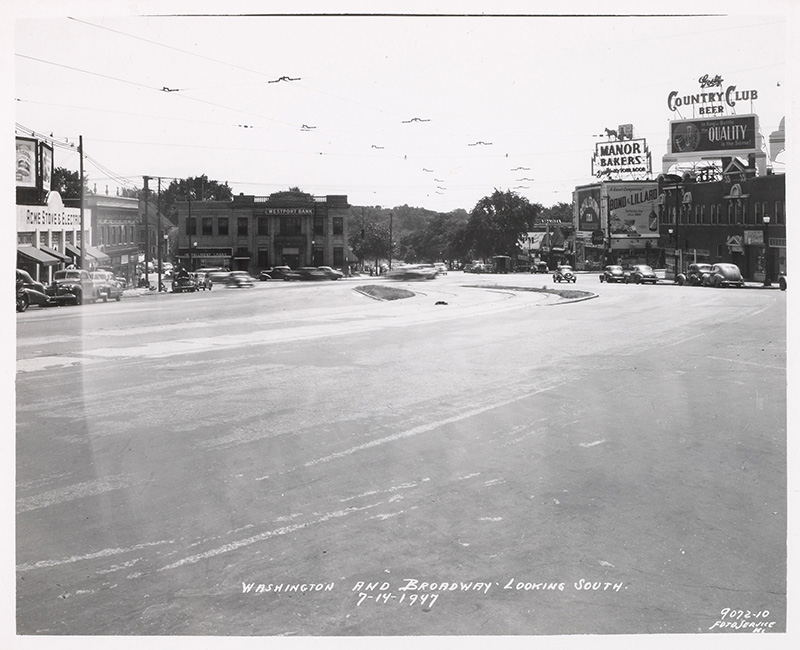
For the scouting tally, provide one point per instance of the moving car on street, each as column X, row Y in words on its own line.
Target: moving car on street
column 183, row 281
column 564, row 273
column 275, row 273
column 694, row 274
column 641, row 274
column 330, row 273
column 240, row 279
column 612, row 273
column 72, row 286
column 724, row 275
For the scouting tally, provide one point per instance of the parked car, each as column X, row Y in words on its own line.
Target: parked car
column 540, row 267
column 240, row 279
column 564, row 273
column 782, row 281
column 72, row 286
column 612, row 273
column 275, row 273
column 202, row 280
column 330, row 273
column 724, row 275
column 640, row 274
column 694, row 274
column 106, row 286
column 441, row 268
column 30, row 292
column 184, row 281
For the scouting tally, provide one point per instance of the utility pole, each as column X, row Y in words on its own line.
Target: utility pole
column 390, row 240
column 158, row 231
column 146, row 231
column 83, row 224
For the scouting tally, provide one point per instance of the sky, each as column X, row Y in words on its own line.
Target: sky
column 432, row 111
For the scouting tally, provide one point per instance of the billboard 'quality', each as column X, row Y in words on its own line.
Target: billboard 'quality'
column 722, row 134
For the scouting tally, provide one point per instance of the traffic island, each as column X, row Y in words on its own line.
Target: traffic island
column 566, row 295
column 380, row 292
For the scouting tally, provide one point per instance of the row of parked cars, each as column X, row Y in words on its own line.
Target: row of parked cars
column 69, row 286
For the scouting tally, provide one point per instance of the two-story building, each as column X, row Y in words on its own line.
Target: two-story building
column 252, row 233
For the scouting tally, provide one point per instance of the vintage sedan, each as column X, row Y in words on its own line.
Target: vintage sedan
column 106, row 286
column 612, row 273
column 564, row 273
column 203, row 280
column 183, row 282
column 73, row 286
column 412, row 272
column 724, row 275
column 275, row 273
column 694, row 274
column 240, row 279
column 641, row 274
column 30, row 292
column 330, row 273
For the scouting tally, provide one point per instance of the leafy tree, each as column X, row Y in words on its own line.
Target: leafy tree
column 369, row 237
column 68, row 183
column 559, row 212
column 497, row 221
column 197, row 188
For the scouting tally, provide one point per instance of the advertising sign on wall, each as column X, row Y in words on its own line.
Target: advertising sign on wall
column 632, row 209
column 47, row 166
column 587, row 205
column 713, row 135
column 622, row 158
column 26, row 162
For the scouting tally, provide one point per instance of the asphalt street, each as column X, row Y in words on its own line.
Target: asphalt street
column 298, row 459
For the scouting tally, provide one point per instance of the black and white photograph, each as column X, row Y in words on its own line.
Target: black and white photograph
column 358, row 324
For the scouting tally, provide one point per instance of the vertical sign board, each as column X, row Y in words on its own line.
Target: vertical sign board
column 46, row 160
column 587, row 206
column 26, row 166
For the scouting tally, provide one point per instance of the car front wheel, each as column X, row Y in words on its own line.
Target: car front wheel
column 23, row 302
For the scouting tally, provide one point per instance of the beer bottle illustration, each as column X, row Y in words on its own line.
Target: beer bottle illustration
column 653, row 221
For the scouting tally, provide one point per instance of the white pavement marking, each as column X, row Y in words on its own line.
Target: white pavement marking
column 592, row 444
column 106, row 552
column 72, row 492
column 263, row 536
column 40, row 363
column 424, row 428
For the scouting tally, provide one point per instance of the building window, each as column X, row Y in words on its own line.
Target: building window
column 263, row 226
column 338, row 255
column 263, row 258
column 241, row 226
column 338, row 225
column 142, row 236
column 319, row 225
column 206, row 223
column 191, row 227
column 780, row 214
column 222, row 226
column 290, row 226
column 25, row 238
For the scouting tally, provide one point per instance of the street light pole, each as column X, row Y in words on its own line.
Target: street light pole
column 767, row 281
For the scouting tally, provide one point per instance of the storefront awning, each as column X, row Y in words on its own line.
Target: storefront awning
column 51, row 251
column 97, row 254
column 38, row 256
column 72, row 249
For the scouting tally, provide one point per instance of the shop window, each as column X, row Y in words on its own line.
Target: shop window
column 263, row 226
column 191, row 227
column 241, row 226
column 338, row 225
column 25, row 238
column 222, row 226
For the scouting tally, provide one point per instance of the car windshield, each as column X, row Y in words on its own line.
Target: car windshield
column 644, row 269
column 702, row 267
column 67, row 275
column 615, row 269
